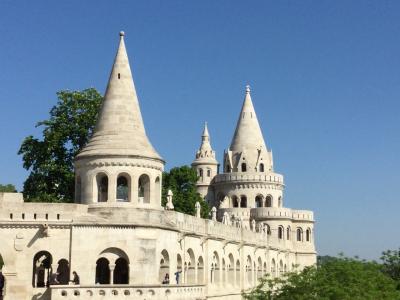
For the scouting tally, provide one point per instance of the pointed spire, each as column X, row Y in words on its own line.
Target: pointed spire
column 205, row 151
column 248, row 133
column 120, row 129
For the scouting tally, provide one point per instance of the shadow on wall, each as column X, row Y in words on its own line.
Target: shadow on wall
column 46, row 295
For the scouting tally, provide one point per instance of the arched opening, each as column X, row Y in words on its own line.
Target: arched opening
column 215, row 269
column 102, row 271
column 249, row 270
column 63, row 271
column 164, row 268
column 280, row 232
column 223, row 272
column 288, row 230
column 273, row 268
column 259, row 268
column 208, row 173
column 279, row 201
column 243, row 201
column 268, row 229
column 190, row 267
column 227, row 168
column 308, row 235
column 201, row 174
column 259, row 200
column 299, row 234
column 268, row 201
column 280, row 268
column 157, row 190
column 265, row 268
column 121, row 271
column 237, row 275
column 144, row 189
column 235, row 201
column 244, row 167
column 200, row 270
column 261, row 168
column 178, row 269
column 102, row 187
column 123, row 188
column 42, row 269
column 231, row 270
column 78, row 189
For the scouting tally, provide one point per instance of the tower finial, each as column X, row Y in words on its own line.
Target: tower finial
column 121, row 34
column 247, row 89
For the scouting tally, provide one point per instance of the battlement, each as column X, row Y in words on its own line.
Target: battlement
column 250, row 177
column 281, row 213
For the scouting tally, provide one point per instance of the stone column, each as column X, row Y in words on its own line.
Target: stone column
column 112, row 267
column 112, row 188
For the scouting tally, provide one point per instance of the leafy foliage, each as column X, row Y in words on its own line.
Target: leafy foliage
column 391, row 265
column 1, row 262
column 182, row 182
column 7, row 188
column 49, row 160
column 334, row 279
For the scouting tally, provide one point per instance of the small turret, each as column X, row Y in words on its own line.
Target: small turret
column 205, row 165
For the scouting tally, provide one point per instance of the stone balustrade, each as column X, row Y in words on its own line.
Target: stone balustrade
column 272, row 178
column 117, row 292
column 261, row 213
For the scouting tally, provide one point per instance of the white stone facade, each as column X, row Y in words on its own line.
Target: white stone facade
column 122, row 242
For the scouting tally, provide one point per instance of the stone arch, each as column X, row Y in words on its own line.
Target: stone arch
column 42, row 269
column 124, row 183
column 259, row 201
column 215, row 268
column 237, row 273
column 268, row 201
column 157, row 189
column 190, row 267
column 102, row 183
column 249, row 270
column 164, row 271
column 144, row 188
column 178, row 267
column 299, row 234
column 102, row 271
column 63, row 271
column 231, row 269
column 243, row 201
column 273, row 268
column 200, row 270
column 235, row 201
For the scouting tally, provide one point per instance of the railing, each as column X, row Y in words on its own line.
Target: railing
column 249, row 177
column 141, row 292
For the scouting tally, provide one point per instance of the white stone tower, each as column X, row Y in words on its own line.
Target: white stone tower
column 119, row 166
column 205, row 165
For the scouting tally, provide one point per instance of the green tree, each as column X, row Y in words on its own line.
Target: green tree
column 7, row 188
column 335, row 279
column 1, row 262
column 182, row 182
column 391, row 265
column 49, row 159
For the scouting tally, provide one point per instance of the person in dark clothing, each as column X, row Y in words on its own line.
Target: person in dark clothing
column 75, row 279
column 54, row 279
column 2, row 281
column 177, row 274
column 166, row 279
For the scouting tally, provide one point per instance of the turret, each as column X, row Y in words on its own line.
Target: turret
column 119, row 164
column 205, row 165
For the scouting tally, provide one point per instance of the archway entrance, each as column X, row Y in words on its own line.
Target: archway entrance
column 121, row 271
column 102, row 271
column 41, row 269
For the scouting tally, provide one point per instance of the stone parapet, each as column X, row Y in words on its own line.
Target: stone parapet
column 265, row 213
column 250, row 177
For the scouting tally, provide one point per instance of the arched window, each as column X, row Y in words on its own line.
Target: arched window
column 208, row 173
column 235, row 201
column 259, row 200
column 228, row 168
column 102, row 188
column 157, row 190
column 121, row 271
column 280, row 232
column 243, row 201
column 201, row 173
column 123, row 188
column 63, row 271
column 299, row 234
column 273, row 268
column 42, row 269
column 261, row 168
column 308, row 235
column 268, row 201
column 288, row 233
column 279, row 201
column 244, row 167
column 200, row 270
column 144, row 189
column 190, row 266
column 102, row 271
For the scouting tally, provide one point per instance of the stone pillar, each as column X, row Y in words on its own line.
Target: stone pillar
column 112, row 188
column 112, row 267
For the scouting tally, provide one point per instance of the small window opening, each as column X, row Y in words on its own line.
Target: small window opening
column 58, row 216
column 47, row 216
column 119, row 75
column 23, row 216
column 11, row 216
column 244, row 167
column 34, row 216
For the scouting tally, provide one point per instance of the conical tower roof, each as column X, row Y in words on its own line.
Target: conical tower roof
column 205, row 154
column 120, row 130
column 248, row 133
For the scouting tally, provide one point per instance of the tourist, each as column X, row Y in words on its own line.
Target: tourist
column 177, row 276
column 54, row 279
column 75, row 279
column 166, row 279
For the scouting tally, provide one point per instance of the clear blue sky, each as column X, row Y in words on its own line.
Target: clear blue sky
column 325, row 78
